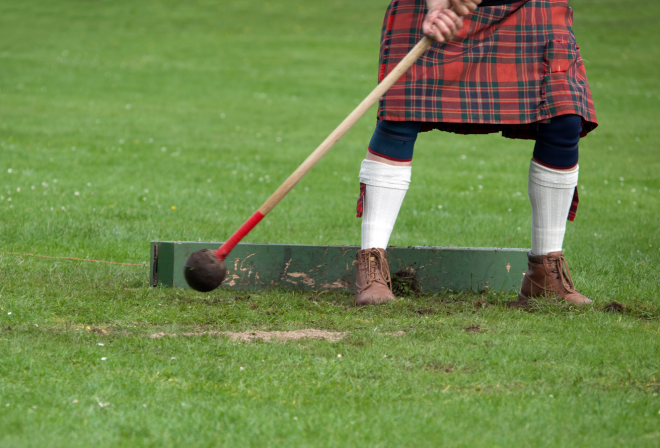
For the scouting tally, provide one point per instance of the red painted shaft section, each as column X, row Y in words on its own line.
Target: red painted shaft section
column 239, row 235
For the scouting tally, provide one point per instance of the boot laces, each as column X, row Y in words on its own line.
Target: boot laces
column 564, row 274
column 376, row 263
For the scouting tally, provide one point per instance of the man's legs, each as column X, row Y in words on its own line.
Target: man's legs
column 385, row 174
column 553, row 176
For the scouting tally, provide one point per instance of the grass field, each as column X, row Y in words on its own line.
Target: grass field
column 124, row 122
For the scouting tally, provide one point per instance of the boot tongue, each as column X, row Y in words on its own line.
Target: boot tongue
column 373, row 267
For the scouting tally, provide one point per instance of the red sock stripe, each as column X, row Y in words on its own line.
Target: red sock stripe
column 387, row 157
column 360, row 202
column 574, row 206
column 554, row 167
column 239, row 235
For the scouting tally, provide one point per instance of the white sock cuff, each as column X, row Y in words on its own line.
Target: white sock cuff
column 548, row 177
column 382, row 175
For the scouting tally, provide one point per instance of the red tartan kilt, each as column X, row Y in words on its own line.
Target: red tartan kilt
column 509, row 67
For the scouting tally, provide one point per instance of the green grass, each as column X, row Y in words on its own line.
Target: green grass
column 238, row 94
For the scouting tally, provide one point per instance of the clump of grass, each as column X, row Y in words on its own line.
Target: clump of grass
column 405, row 283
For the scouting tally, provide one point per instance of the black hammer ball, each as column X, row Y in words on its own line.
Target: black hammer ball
column 204, row 271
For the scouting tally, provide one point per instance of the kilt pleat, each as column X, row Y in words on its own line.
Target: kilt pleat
column 510, row 67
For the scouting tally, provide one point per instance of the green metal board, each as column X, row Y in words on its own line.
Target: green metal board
column 261, row 266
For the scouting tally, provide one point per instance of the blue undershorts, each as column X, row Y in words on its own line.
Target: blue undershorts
column 556, row 141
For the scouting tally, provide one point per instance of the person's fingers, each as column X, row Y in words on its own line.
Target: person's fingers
column 439, row 38
column 471, row 4
column 461, row 10
column 450, row 25
column 443, row 27
column 427, row 25
column 436, row 30
column 448, row 22
column 436, row 34
column 451, row 14
column 465, row 7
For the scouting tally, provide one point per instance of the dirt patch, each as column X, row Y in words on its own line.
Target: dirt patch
column 481, row 303
column 473, row 329
column 404, row 283
column 425, row 311
column 444, row 368
column 242, row 298
column 267, row 336
column 520, row 304
column 614, row 307
column 98, row 329
column 396, row 334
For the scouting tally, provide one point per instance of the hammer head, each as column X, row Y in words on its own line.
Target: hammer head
column 204, row 271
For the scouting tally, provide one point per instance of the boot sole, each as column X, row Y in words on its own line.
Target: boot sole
column 373, row 302
column 522, row 299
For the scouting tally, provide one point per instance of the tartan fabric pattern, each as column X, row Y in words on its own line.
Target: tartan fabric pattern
column 510, row 67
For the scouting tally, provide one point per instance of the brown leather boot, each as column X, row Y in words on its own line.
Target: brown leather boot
column 548, row 276
column 373, row 282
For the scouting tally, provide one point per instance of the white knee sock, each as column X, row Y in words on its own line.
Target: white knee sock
column 386, row 188
column 550, row 193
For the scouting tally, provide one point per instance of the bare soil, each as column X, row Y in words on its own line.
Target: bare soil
column 267, row 336
column 441, row 367
column 396, row 334
column 614, row 307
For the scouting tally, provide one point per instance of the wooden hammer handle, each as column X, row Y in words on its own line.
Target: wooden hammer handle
column 327, row 144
